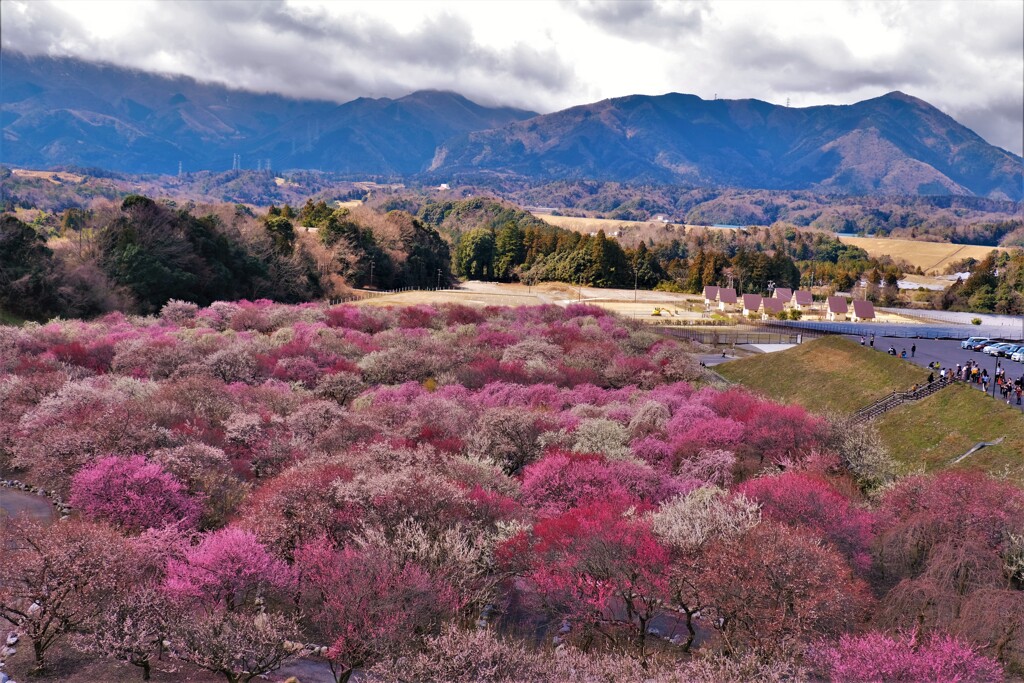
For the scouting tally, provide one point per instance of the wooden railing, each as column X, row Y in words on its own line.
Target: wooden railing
column 898, row 398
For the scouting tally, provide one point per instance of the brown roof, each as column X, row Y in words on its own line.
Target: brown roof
column 803, row 297
column 784, row 293
column 774, row 305
column 863, row 309
column 751, row 302
column 837, row 304
column 727, row 295
column 710, row 292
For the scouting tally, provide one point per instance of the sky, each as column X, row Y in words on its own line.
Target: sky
column 966, row 57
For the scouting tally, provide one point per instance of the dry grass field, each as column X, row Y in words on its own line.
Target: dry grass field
column 588, row 225
column 55, row 177
column 931, row 257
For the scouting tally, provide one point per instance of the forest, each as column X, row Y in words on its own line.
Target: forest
column 455, row 494
column 136, row 255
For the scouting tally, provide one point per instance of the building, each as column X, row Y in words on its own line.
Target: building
column 710, row 295
column 751, row 302
column 784, row 293
column 726, row 297
column 862, row 310
column 836, row 307
column 771, row 308
column 802, row 300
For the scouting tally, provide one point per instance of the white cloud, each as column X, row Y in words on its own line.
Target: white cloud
column 967, row 58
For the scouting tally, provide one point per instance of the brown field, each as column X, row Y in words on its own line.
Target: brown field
column 931, row 257
column 588, row 225
column 55, row 177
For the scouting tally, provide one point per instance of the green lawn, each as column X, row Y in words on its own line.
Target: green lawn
column 831, row 374
column 931, row 433
column 9, row 319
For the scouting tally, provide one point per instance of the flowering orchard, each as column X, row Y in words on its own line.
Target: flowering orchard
column 450, row 493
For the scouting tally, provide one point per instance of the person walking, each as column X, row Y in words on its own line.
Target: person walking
column 913, row 350
column 872, row 341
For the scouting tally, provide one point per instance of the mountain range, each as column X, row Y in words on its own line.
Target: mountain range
column 68, row 112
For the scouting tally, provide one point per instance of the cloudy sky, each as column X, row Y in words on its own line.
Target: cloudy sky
column 964, row 56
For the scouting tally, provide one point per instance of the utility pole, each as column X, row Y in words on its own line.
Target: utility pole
column 635, row 278
column 372, row 264
column 438, row 278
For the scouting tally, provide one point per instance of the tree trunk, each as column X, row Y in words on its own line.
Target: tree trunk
column 39, row 650
column 146, row 669
column 690, row 631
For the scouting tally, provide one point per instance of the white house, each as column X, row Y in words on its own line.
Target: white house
column 862, row 311
column 836, row 307
column 726, row 297
column 751, row 302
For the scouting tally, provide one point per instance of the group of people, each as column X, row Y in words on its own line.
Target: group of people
column 892, row 349
column 972, row 373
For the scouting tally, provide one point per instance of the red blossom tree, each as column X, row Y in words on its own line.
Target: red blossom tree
column 598, row 568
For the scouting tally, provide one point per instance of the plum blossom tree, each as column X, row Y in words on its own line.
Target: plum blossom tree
column 774, row 589
column 811, row 502
column 131, row 628
column 57, row 579
column 133, row 494
column 367, row 605
column 228, row 568
column 906, row 657
column 237, row 645
column 598, row 568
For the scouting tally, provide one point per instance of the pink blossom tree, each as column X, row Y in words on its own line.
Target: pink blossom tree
column 367, row 605
column 133, row 494
column 876, row 657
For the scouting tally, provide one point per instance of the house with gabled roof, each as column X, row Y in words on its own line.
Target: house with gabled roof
column 836, row 307
column 726, row 297
column 710, row 295
column 771, row 308
column 751, row 302
column 784, row 293
column 802, row 299
column 862, row 310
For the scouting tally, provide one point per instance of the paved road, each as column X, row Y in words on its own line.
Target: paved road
column 947, row 352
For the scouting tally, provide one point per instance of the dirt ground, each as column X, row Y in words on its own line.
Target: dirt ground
column 656, row 308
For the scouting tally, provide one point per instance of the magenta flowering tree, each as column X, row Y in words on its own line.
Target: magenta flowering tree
column 228, row 568
column 133, row 494
column 367, row 604
column 811, row 502
column 877, row 657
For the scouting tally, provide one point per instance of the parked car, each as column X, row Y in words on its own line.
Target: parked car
column 997, row 350
column 1018, row 356
column 1010, row 350
column 978, row 346
column 971, row 341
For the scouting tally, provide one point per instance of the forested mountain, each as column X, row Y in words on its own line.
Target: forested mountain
column 895, row 144
column 71, row 112
column 61, row 112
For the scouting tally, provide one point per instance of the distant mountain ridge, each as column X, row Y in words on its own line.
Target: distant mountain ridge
column 894, row 144
column 62, row 111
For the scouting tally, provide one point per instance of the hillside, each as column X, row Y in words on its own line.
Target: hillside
column 894, row 144
column 831, row 374
column 935, row 431
column 61, row 111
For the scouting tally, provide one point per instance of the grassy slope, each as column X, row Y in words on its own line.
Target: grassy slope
column 9, row 318
column 825, row 375
column 934, row 431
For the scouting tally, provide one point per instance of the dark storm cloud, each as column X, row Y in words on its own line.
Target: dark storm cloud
column 308, row 53
column 643, row 19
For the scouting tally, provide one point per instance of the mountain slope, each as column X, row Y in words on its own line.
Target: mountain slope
column 895, row 144
column 58, row 111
